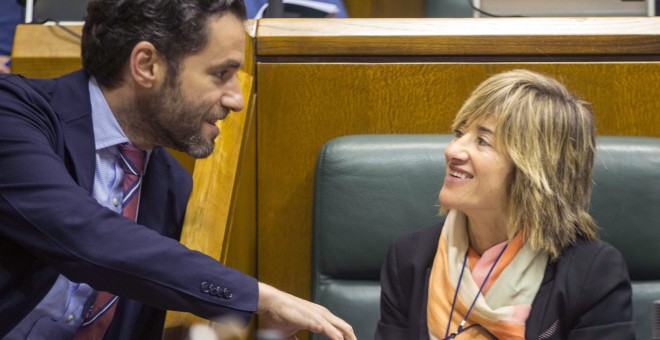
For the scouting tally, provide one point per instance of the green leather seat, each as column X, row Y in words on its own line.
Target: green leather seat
column 371, row 188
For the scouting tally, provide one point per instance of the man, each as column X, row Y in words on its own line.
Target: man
column 156, row 73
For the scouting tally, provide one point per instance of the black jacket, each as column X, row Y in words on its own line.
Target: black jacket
column 585, row 294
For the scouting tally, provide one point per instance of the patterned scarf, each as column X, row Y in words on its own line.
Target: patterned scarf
column 506, row 299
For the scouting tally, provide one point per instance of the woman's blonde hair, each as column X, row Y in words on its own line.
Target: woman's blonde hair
column 549, row 135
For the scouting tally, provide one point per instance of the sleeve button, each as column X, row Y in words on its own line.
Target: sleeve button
column 205, row 287
column 227, row 293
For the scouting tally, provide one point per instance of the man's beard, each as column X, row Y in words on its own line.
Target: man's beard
column 196, row 147
column 177, row 123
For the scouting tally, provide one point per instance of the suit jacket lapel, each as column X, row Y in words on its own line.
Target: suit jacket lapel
column 153, row 193
column 72, row 104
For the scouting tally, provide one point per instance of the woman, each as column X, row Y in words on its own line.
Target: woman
column 517, row 256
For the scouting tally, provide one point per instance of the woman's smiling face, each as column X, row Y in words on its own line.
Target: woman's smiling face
column 477, row 175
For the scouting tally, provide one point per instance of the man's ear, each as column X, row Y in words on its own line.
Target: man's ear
column 146, row 66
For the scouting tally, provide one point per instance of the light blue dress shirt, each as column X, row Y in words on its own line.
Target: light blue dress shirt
column 61, row 312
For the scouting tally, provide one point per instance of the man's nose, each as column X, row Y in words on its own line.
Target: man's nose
column 233, row 97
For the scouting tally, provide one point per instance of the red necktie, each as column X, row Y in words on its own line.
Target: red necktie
column 100, row 315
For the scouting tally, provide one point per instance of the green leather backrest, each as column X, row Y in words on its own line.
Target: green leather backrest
column 371, row 188
column 626, row 205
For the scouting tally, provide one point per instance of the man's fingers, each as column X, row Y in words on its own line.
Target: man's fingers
column 345, row 330
column 330, row 325
column 288, row 314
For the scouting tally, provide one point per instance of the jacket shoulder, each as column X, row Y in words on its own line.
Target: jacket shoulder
column 417, row 248
column 21, row 86
column 586, row 291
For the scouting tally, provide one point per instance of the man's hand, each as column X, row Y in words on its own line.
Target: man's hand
column 289, row 314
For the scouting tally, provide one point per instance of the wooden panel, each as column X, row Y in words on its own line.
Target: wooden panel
column 359, row 8
column 240, row 246
column 461, row 36
column 302, row 106
column 249, row 63
column 46, row 51
column 398, row 9
column 385, row 8
column 50, row 51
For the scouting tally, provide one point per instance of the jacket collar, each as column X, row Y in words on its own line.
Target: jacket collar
column 70, row 100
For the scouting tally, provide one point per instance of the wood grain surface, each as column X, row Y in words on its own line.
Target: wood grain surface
column 45, row 51
column 460, row 36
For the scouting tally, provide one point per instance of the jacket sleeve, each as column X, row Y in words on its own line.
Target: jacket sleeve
column 604, row 302
column 43, row 210
column 394, row 304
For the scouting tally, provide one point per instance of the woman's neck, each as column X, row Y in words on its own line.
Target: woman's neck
column 484, row 232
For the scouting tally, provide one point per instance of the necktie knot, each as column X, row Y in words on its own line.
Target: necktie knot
column 132, row 159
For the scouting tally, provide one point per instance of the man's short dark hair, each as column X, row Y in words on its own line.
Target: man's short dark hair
column 175, row 27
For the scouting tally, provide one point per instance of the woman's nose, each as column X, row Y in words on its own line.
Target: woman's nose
column 456, row 149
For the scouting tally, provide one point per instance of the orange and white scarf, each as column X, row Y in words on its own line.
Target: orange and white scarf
column 506, row 299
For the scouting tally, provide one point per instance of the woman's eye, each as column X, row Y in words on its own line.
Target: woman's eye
column 482, row 141
column 458, row 133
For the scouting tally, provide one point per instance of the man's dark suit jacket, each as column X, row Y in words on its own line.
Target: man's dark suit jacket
column 586, row 294
column 50, row 224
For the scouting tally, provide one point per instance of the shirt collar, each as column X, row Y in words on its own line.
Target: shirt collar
column 107, row 131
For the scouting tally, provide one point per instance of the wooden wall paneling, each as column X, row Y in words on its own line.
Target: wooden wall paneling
column 460, row 37
column 48, row 51
column 359, row 8
column 240, row 247
column 398, row 9
column 303, row 105
column 45, row 51
column 385, row 8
